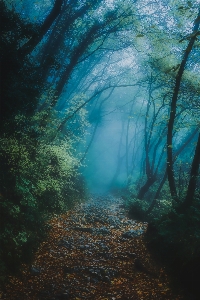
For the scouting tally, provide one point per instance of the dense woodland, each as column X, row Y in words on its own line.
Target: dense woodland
column 100, row 96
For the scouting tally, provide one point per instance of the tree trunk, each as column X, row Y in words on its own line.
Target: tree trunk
column 95, row 128
column 170, row 171
column 157, row 193
column 60, row 29
column 30, row 45
column 76, row 55
column 119, row 160
column 151, row 176
column 193, row 177
column 127, row 141
column 179, row 150
column 144, row 189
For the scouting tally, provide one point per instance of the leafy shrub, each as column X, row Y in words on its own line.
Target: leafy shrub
column 175, row 238
column 135, row 183
column 137, row 208
column 39, row 163
column 39, row 177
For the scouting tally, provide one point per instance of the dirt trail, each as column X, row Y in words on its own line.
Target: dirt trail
column 93, row 252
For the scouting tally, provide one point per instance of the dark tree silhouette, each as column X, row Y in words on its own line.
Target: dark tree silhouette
column 172, row 116
column 193, row 177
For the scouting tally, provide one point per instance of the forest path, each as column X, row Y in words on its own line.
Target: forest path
column 93, row 252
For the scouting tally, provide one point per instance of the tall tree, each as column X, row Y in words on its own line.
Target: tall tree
column 187, row 140
column 173, row 108
column 39, row 34
column 193, row 177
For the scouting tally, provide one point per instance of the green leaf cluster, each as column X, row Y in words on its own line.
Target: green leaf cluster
column 39, row 177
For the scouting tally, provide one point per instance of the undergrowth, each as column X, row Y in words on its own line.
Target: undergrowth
column 173, row 238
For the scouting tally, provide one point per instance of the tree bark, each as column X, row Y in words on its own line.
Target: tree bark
column 144, row 189
column 77, row 53
column 98, row 29
column 170, row 171
column 150, row 172
column 179, row 150
column 59, row 31
column 31, row 44
column 193, row 177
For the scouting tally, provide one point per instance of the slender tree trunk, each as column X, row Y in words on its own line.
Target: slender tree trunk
column 146, row 139
column 127, row 141
column 95, row 128
column 76, row 55
column 193, row 177
column 59, row 31
column 119, row 159
column 170, row 171
column 176, row 154
column 31, row 44
column 151, row 172
column 90, row 142
column 144, row 189
column 162, row 134
column 157, row 193
column 98, row 29
column 150, row 178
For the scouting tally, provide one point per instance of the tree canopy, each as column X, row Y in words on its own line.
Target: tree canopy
column 97, row 96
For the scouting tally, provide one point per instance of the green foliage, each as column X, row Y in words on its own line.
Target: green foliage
column 21, row 81
column 39, row 160
column 134, row 183
column 137, row 208
column 177, row 236
column 39, row 177
column 173, row 237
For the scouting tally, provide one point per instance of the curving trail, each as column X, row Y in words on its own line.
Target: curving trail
column 93, row 252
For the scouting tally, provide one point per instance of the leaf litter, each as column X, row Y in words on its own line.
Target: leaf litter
column 93, row 252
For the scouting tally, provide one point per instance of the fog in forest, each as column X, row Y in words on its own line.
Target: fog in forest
column 100, row 96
